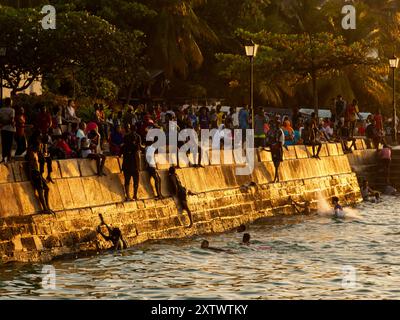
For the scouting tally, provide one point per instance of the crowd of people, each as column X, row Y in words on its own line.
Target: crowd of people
column 60, row 134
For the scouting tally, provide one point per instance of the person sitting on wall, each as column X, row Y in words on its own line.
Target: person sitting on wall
column 308, row 136
column 87, row 153
column 38, row 182
column 373, row 135
column 301, row 208
column 114, row 235
column 180, row 192
column 344, row 137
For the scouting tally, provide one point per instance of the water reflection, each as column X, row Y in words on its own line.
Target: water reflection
column 290, row 258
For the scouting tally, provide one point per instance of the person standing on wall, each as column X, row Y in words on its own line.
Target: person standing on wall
column 244, row 121
column 38, row 182
column 8, row 129
column 130, row 150
column 352, row 111
column 340, row 106
column 20, row 138
column 151, row 168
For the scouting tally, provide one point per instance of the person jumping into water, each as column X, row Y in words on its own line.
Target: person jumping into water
column 338, row 209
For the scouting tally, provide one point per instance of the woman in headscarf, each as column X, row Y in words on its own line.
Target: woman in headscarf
column 288, row 131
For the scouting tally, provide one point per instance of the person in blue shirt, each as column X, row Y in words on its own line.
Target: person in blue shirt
column 338, row 209
column 244, row 121
column 244, row 118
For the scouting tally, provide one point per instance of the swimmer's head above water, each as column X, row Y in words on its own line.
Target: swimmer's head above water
column 246, row 238
column 205, row 244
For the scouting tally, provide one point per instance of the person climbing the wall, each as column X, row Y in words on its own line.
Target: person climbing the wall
column 38, row 182
column 178, row 190
column 114, row 235
column 301, row 208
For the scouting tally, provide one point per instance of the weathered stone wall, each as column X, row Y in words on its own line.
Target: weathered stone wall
column 220, row 204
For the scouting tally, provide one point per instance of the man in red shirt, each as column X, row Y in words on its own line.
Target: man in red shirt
column 43, row 120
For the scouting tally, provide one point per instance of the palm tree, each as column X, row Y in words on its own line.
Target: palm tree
column 174, row 34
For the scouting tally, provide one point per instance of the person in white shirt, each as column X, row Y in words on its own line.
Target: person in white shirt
column 80, row 134
column 70, row 113
column 151, row 168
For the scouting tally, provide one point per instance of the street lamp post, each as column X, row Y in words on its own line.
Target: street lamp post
column 394, row 64
column 251, row 52
column 3, row 52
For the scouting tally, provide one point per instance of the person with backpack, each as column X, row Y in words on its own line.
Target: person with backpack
column 8, row 129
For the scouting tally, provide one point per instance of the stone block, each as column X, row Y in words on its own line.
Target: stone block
column 78, row 193
column 205, row 157
column 227, row 157
column 20, row 171
column 69, row 168
column 9, row 205
column 301, row 152
column 340, row 149
column 264, row 156
column 65, row 193
column 324, row 151
column 6, row 173
column 28, row 203
column 289, row 154
column 162, row 161
column 93, row 192
column 112, row 166
column 55, row 199
column 332, row 149
column 87, row 167
column 184, row 160
column 113, row 185
column 360, row 144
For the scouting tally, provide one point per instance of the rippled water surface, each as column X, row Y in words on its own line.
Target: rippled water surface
column 290, row 258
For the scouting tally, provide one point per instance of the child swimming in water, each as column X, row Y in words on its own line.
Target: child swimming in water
column 338, row 209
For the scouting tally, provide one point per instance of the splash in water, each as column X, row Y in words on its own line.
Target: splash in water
column 325, row 209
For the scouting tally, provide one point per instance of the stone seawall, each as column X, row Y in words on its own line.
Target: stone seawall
column 221, row 202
